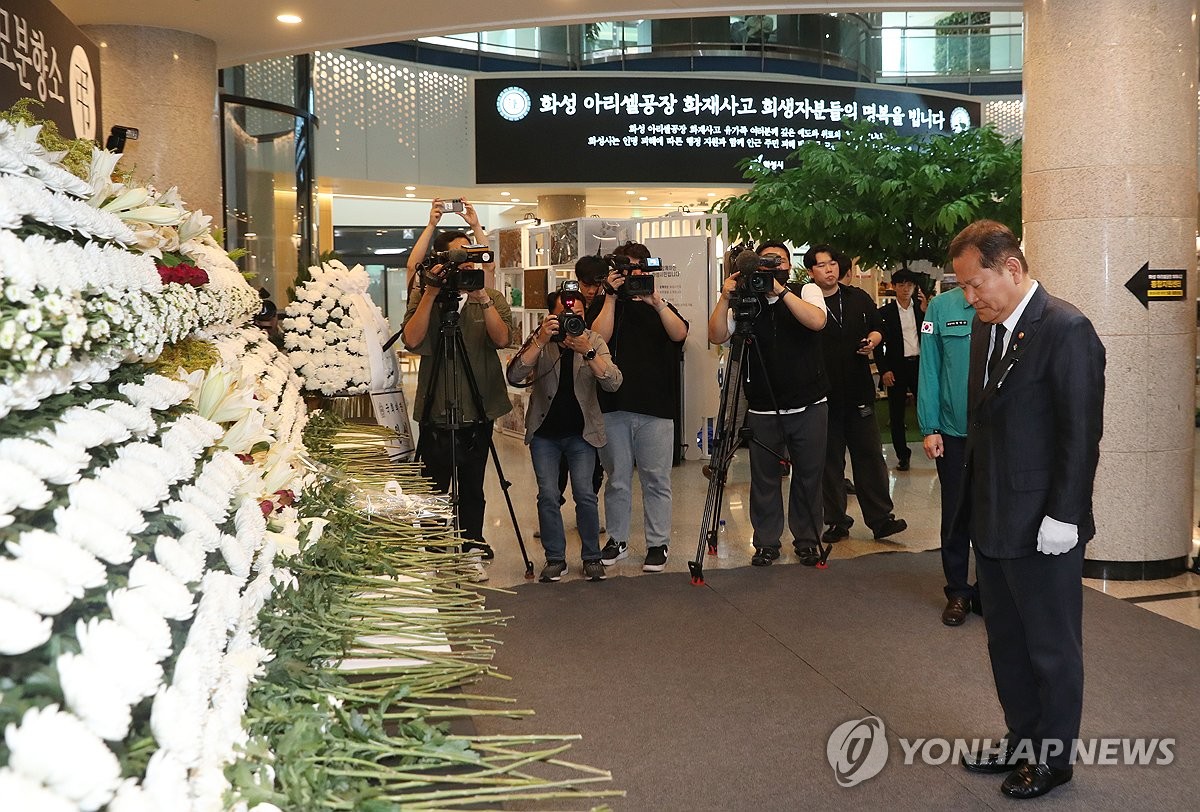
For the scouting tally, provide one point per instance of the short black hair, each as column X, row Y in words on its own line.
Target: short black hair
column 773, row 244
column 633, row 250
column 810, row 256
column 442, row 240
column 591, row 269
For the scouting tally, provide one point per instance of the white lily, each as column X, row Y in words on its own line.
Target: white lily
column 247, row 433
column 154, row 215
column 216, row 396
column 100, row 175
column 126, row 200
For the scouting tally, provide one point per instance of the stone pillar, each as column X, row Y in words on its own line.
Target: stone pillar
column 1109, row 183
column 164, row 83
column 561, row 207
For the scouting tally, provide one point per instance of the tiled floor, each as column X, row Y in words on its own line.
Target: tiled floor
column 915, row 492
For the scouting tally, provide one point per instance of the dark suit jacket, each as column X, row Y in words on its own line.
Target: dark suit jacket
column 891, row 359
column 1033, row 434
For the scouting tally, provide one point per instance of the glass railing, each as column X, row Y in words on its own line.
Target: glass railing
column 857, row 43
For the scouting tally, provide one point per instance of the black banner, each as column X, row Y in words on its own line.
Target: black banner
column 44, row 56
column 663, row 129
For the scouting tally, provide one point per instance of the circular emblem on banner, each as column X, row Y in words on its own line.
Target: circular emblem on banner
column 960, row 120
column 513, row 103
column 82, row 85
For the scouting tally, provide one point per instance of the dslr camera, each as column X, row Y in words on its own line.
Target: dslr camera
column 456, row 278
column 635, row 284
column 570, row 323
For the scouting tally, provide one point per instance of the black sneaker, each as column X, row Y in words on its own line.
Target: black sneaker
column 890, row 528
column 656, row 559
column 835, row 533
column 482, row 547
column 553, row 571
column 763, row 556
column 809, row 556
column 613, row 552
column 593, row 571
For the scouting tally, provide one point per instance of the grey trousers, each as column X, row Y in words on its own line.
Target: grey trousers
column 799, row 437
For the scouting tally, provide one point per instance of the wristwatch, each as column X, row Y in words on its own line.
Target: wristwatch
column 590, row 354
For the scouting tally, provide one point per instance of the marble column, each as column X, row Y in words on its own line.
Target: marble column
column 561, row 207
column 1109, row 183
column 164, row 83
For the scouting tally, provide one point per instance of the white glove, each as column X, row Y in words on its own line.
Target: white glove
column 1055, row 537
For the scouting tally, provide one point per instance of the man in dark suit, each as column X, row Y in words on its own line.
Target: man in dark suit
column 1034, row 421
column 899, row 363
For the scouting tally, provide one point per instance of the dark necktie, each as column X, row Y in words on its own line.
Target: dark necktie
column 997, row 353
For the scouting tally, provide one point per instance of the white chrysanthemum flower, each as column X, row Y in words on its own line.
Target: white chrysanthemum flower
column 24, row 793
column 193, row 520
column 131, row 797
column 95, row 696
column 116, row 649
column 236, row 555
column 144, row 486
column 94, row 534
column 166, row 780
column 135, row 611
column 173, row 467
column 54, row 748
column 21, row 630
column 161, row 587
column 22, row 489
column 34, row 589
column 250, row 523
column 90, row 428
column 177, row 721
column 47, row 463
column 61, row 558
column 92, row 496
column 216, row 510
column 138, row 419
column 185, row 562
column 191, row 435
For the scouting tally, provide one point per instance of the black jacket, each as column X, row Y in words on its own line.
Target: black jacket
column 890, row 357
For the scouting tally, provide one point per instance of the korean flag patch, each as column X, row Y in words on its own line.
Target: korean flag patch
column 927, row 327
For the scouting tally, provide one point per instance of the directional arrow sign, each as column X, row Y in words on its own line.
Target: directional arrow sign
column 1162, row 285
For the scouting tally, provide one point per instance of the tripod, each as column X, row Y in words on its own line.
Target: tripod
column 449, row 354
column 725, row 441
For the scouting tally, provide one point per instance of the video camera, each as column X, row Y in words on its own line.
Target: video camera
column 757, row 273
column 635, row 284
column 570, row 323
column 457, row 278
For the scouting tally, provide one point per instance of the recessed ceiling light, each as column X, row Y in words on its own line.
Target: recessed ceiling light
column 515, row 199
column 643, row 197
column 505, row 194
column 410, row 188
column 631, row 193
column 712, row 194
column 410, row 194
column 290, row 19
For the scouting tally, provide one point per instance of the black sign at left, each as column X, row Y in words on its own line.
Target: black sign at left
column 44, row 56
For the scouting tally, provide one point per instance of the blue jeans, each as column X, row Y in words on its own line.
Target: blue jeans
column 581, row 462
column 638, row 439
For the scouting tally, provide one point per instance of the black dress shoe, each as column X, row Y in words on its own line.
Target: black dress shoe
column 1032, row 780
column 835, row 533
column 763, row 556
column 809, row 556
column 903, row 465
column 993, row 759
column 890, row 528
column 956, row 610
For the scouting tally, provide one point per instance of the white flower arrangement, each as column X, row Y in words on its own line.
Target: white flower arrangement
column 324, row 330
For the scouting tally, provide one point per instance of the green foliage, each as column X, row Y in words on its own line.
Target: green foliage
column 881, row 196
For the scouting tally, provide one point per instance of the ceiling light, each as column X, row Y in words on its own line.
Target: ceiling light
column 290, row 19
column 505, row 194
column 712, row 194
column 515, row 199
column 631, row 193
column 410, row 194
column 410, row 188
column 643, row 197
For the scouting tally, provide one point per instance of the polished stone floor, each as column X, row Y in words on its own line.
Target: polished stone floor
column 915, row 493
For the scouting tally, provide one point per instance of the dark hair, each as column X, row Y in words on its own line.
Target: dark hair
column 442, row 240
column 633, row 250
column 810, row 256
column 844, row 263
column 551, row 300
column 269, row 311
column 774, row 244
column 591, row 269
column 994, row 241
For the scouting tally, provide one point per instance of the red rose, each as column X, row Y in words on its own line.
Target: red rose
column 286, row 497
column 267, row 507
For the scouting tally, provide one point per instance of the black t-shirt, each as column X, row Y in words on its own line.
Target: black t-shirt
column 792, row 356
column 564, row 418
column 649, row 362
column 852, row 314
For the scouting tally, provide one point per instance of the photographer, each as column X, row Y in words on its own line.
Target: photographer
column 645, row 334
column 787, row 404
column 441, row 240
column 849, row 337
column 485, row 325
column 563, row 361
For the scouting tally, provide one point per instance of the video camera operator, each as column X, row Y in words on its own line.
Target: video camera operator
column 564, row 361
column 441, row 240
column 787, row 406
column 485, row 325
column 646, row 335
